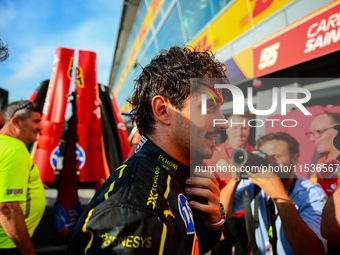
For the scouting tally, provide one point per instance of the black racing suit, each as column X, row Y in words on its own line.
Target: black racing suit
column 142, row 208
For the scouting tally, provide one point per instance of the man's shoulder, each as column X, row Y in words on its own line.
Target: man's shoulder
column 250, row 148
column 219, row 150
column 219, row 147
column 12, row 146
column 306, row 183
column 223, row 152
column 130, row 184
column 309, row 190
column 11, row 142
column 126, row 196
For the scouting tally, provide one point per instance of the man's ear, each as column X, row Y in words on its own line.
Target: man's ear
column 295, row 158
column 15, row 121
column 160, row 107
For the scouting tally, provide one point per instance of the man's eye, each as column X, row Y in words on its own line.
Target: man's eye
column 276, row 156
column 211, row 106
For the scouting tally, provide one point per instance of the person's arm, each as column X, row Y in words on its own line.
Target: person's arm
column 227, row 196
column 330, row 222
column 206, row 209
column 207, row 237
column 205, row 190
column 12, row 221
column 207, row 198
column 301, row 238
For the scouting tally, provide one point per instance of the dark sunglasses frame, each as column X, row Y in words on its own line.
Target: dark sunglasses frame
column 317, row 133
column 31, row 105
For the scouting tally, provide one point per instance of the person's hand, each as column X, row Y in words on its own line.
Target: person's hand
column 270, row 183
column 206, row 196
column 235, row 174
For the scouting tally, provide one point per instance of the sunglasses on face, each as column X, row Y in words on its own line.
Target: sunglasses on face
column 317, row 133
column 29, row 105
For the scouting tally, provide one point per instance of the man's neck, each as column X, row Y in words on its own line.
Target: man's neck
column 288, row 182
column 6, row 130
column 332, row 155
column 169, row 148
column 235, row 146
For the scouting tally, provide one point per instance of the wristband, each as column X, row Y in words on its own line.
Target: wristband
column 218, row 225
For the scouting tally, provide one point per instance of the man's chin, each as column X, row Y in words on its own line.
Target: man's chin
column 33, row 140
column 201, row 154
column 207, row 154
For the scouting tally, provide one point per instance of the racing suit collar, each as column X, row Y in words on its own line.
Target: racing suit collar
column 147, row 149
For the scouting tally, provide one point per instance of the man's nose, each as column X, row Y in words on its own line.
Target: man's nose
column 239, row 131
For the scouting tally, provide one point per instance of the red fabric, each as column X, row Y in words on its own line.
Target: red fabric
column 53, row 115
column 327, row 181
column 221, row 156
column 307, row 147
column 123, row 137
column 2, row 120
column 89, row 126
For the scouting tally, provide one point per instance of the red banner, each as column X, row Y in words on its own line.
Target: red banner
column 53, row 117
column 309, row 38
column 92, row 165
column 307, row 148
column 121, row 130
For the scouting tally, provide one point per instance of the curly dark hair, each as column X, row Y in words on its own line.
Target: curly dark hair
column 3, row 51
column 293, row 145
column 168, row 75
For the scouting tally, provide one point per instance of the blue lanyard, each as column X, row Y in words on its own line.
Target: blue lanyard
column 272, row 232
column 291, row 188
